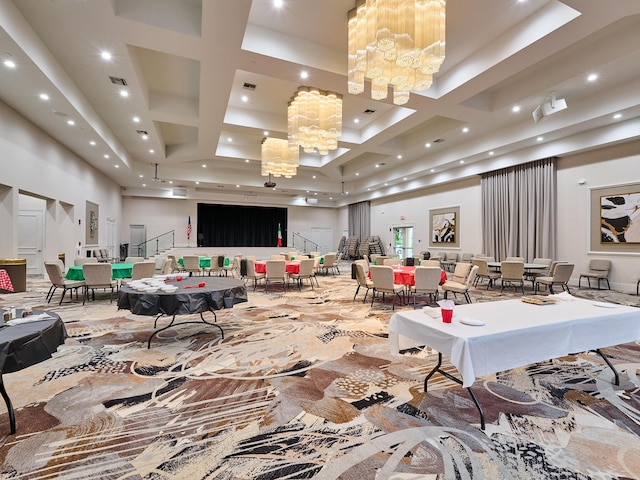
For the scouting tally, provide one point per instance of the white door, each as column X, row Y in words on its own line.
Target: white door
column 31, row 239
column 111, row 238
column 137, row 237
column 324, row 238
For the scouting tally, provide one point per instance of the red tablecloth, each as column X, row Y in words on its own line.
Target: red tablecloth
column 291, row 266
column 405, row 275
column 5, row 281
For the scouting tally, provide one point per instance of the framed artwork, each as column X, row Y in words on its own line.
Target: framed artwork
column 92, row 224
column 444, row 227
column 615, row 218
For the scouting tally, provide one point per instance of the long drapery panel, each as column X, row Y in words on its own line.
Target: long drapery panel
column 241, row 226
column 519, row 211
column 360, row 219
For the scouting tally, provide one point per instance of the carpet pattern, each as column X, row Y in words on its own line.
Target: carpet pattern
column 303, row 386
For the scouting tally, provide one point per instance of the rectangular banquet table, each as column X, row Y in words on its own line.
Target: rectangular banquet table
column 291, row 266
column 26, row 344
column 515, row 333
column 118, row 270
column 205, row 262
column 405, row 275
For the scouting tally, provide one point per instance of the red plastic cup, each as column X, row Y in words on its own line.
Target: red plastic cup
column 201, row 284
column 178, row 279
column 447, row 315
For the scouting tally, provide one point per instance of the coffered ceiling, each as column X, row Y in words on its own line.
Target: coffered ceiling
column 187, row 64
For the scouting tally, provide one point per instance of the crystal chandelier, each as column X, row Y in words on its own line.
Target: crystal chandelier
column 395, row 42
column 278, row 159
column 315, row 119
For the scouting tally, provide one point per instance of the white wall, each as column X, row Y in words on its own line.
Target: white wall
column 32, row 163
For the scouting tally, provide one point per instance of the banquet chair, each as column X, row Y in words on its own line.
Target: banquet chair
column 275, row 272
column 461, row 287
column 329, row 260
column 175, row 266
column 251, row 272
column 427, row 280
column 159, row 264
column 191, row 264
column 484, row 272
column 450, row 260
column 430, row 263
column 315, row 254
column 514, row 259
column 305, row 272
column 141, row 270
column 167, row 267
column 54, row 271
column 382, row 278
column 392, row 261
column 234, row 266
column 512, row 272
column 466, row 257
column 279, row 256
column 98, row 275
column 598, row 269
column 83, row 260
column 216, row 266
column 461, row 272
column 336, row 263
column 561, row 276
column 362, row 279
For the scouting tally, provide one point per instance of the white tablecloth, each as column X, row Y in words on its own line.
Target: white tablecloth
column 515, row 333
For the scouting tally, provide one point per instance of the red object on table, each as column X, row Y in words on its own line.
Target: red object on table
column 5, row 281
column 290, row 266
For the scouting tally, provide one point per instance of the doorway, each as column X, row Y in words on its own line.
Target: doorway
column 403, row 241
column 324, row 238
column 31, row 239
column 137, row 239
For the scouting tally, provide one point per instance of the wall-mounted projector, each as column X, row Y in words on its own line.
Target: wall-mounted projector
column 311, row 201
column 549, row 107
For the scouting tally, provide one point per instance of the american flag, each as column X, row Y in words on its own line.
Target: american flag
column 189, row 228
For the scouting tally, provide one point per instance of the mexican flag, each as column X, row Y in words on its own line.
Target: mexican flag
column 279, row 236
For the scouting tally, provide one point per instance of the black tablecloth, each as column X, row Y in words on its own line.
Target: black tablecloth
column 26, row 344
column 185, row 300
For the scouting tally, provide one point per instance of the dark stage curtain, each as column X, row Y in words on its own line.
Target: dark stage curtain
column 240, row 226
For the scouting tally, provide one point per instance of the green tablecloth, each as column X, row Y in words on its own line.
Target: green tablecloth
column 205, row 262
column 119, row 270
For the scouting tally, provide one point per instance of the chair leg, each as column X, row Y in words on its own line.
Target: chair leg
column 357, row 290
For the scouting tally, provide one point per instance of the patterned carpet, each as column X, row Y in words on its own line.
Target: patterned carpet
column 304, row 386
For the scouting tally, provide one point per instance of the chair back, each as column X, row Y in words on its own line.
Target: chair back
column 54, row 271
column 382, row 277
column 142, row 270
column 542, row 261
column 329, row 260
column 472, row 276
column 361, row 275
column 599, row 266
column 98, row 275
column 461, row 272
column 167, row 267
column 452, row 257
column 84, row 260
column 251, row 267
column 133, row 259
column 512, row 270
column 306, row 267
column 191, row 263
column 392, row 261
column 217, row 263
column 279, row 256
column 466, row 257
column 483, row 268
column 430, row 263
column 514, row 259
column 552, row 267
column 276, row 269
column 562, row 273
column 427, row 279
column 159, row 262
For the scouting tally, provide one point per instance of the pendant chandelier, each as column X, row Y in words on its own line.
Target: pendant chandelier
column 315, row 120
column 395, row 42
column 278, row 159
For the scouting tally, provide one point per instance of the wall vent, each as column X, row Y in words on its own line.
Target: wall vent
column 368, row 111
column 249, row 86
column 438, row 140
column 179, row 192
column 118, row 81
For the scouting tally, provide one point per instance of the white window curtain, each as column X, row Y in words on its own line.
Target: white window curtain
column 519, row 211
column 360, row 219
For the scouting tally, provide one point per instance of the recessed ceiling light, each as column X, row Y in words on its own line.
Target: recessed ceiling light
column 124, row 93
column 71, row 122
column 427, row 145
column 357, row 174
column 491, row 152
column 117, row 166
column 315, row 193
column 106, row 155
column 515, row 108
column 141, row 176
column 144, row 184
column 461, row 161
column 592, row 77
column 278, row 3
column 246, row 160
column 145, row 137
column 237, row 186
column 92, row 143
column 330, row 198
column 304, row 74
column 151, row 150
column 386, row 184
column 105, row 55
column 465, row 129
column 136, row 119
column 432, row 170
column 171, row 181
column 229, row 139
column 539, row 139
column 314, row 176
column 44, row 96
column 266, row 133
column 245, row 98
column 377, row 165
column 617, row 116
column 204, row 165
column 9, row 63
column 399, row 157
column 356, row 120
column 404, row 178
column 197, row 183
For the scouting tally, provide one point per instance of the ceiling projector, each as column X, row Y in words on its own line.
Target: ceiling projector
column 549, row 107
column 270, row 184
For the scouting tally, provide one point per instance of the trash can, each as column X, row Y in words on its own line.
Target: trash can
column 16, row 268
column 124, row 251
column 61, row 256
